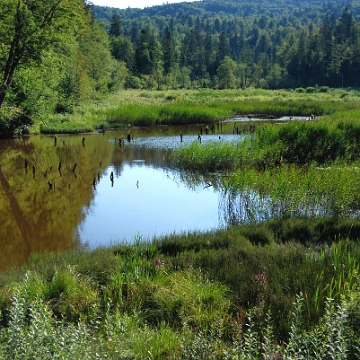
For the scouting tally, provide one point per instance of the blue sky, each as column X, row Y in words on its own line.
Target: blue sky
column 123, row 4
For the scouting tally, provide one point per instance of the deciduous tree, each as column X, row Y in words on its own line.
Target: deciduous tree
column 28, row 28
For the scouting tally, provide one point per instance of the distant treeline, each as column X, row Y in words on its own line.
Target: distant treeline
column 231, row 44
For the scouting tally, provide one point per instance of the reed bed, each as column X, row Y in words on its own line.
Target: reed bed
column 293, row 192
column 302, row 143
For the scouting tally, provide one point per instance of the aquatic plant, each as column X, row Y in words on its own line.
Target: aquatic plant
column 292, row 191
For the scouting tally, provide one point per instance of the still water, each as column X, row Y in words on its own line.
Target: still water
column 64, row 192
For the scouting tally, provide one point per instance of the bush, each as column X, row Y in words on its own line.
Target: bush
column 300, row 90
column 324, row 89
column 14, row 122
column 133, row 82
column 310, row 89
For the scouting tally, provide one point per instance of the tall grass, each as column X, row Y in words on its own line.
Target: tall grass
column 167, row 114
column 32, row 332
column 212, row 156
column 255, row 264
column 198, row 106
column 297, row 142
column 292, row 191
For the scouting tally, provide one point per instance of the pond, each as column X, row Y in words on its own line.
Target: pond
column 70, row 191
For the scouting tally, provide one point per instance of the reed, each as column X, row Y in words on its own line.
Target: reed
column 292, row 191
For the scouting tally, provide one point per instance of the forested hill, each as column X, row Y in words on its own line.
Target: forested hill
column 237, row 44
column 310, row 9
column 56, row 54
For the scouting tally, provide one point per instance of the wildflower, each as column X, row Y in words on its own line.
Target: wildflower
column 260, row 277
column 159, row 262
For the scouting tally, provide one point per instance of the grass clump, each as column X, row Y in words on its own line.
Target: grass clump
column 184, row 299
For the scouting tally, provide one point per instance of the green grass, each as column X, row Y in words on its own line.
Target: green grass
column 198, row 106
column 158, row 281
column 320, row 142
column 290, row 191
column 185, row 297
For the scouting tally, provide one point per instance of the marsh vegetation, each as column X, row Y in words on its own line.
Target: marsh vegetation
column 280, row 281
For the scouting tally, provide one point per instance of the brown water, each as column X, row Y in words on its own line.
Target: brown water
column 65, row 192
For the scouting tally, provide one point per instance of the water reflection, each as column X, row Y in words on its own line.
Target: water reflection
column 56, row 192
column 146, row 197
column 145, row 201
column 44, row 185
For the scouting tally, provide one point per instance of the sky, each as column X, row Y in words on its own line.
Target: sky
column 123, row 4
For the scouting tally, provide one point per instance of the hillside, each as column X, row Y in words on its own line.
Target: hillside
column 227, row 44
column 312, row 9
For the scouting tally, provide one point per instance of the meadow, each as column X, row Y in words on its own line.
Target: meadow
column 281, row 282
column 141, row 108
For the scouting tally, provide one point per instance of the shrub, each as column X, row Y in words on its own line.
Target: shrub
column 324, row 89
column 310, row 89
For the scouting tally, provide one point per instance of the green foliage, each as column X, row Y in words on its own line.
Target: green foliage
column 219, row 295
column 13, row 121
column 211, row 156
column 267, row 261
column 32, row 332
column 293, row 192
column 66, row 61
column 292, row 45
column 70, row 59
column 41, row 27
column 352, row 307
